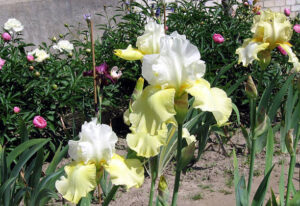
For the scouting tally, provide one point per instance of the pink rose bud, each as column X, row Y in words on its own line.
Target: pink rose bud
column 282, row 51
column 30, row 58
column 258, row 13
column 287, row 12
column 39, row 122
column 218, row 38
column 297, row 28
column 2, row 62
column 6, row 36
column 17, row 110
column 246, row 3
column 115, row 73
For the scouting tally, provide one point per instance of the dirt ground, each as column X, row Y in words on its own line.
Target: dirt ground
column 210, row 181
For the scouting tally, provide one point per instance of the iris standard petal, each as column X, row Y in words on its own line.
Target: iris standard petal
column 248, row 52
column 81, row 179
column 129, row 53
column 128, row 172
column 214, row 100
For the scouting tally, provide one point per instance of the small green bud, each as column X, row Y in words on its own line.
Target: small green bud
column 88, row 50
column 289, row 139
column 54, row 39
column 70, row 54
column 54, row 86
column 250, row 88
column 37, row 74
column 61, row 36
column 66, row 25
column 46, row 78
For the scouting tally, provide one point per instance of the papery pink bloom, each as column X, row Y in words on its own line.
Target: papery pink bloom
column 115, row 72
column 218, row 38
column 17, row 110
column 2, row 62
column 30, row 58
column 287, row 12
column 297, row 28
column 39, row 122
column 6, row 36
column 282, row 51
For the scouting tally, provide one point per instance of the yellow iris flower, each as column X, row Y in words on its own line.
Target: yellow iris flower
column 270, row 30
column 173, row 73
column 92, row 153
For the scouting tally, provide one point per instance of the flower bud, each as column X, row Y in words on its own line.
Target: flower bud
column 138, row 89
column 54, row 86
column 54, row 39
column 264, row 59
column 70, row 54
column 39, row 122
column 31, row 68
column 17, row 110
column 66, row 25
column 163, row 191
column 61, row 36
column 37, row 74
column 289, row 139
column 88, row 50
column 115, row 73
column 287, row 12
column 250, row 88
column 297, row 28
column 282, row 51
column 30, row 58
column 218, row 38
column 6, row 36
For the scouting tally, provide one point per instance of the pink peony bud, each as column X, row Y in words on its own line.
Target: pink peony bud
column 218, row 38
column 39, row 122
column 6, row 36
column 297, row 28
column 282, row 51
column 17, row 110
column 166, row 28
column 246, row 3
column 30, row 58
column 115, row 73
column 2, row 62
column 287, row 12
column 258, row 13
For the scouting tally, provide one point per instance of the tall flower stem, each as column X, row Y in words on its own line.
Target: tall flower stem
column 253, row 145
column 292, row 167
column 94, row 64
column 153, row 171
column 178, row 168
column 110, row 195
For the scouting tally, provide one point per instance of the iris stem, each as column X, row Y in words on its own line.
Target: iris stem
column 253, row 145
column 110, row 195
column 291, row 168
column 178, row 168
column 151, row 191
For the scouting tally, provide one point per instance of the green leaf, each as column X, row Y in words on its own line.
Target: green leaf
column 261, row 191
column 236, row 110
column 241, row 194
column 296, row 200
column 270, row 150
column 86, row 201
column 21, row 148
column 59, row 154
column 281, row 184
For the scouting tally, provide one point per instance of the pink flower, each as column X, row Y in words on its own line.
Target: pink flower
column 282, row 51
column 115, row 73
column 39, row 122
column 258, row 13
column 218, row 38
column 2, row 62
column 30, row 58
column 17, row 110
column 287, row 12
column 6, row 36
column 297, row 28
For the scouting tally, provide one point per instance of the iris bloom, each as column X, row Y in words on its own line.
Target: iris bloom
column 93, row 152
column 148, row 43
column 172, row 74
column 270, row 30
